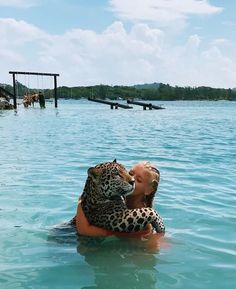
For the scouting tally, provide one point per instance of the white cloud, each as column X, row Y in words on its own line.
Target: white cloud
column 144, row 33
column 191, row 65
column 18, row 3
column 6, row 54
column 13, row 32
column 194, row 41
column 162, row 12
column 20, row 45
column 222, row 68
column 115, row 56
column 220, row 41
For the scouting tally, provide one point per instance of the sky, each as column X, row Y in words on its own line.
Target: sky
column 119, row 42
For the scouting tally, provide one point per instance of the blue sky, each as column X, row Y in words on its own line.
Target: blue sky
column 124, row 42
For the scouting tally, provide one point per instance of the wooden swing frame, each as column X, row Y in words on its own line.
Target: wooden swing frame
column 33, row 73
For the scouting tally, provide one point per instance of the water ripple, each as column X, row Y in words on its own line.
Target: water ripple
column 43, row 166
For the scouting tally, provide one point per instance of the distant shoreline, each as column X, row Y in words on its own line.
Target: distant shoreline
column 145, row 92
column 147, row 100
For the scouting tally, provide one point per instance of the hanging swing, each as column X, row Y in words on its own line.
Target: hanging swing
column 14, row 73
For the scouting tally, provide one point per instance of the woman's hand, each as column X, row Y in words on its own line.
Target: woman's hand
column 84, row 228
column 153, row 241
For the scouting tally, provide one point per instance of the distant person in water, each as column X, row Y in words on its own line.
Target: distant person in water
column 147, row 178
column 41, row 100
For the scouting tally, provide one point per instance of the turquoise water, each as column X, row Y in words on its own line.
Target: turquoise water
column 44, row 157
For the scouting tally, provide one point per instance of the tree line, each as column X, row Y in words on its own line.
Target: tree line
column 145, row 92
column 160, row 92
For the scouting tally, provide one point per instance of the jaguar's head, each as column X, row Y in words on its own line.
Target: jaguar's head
column 111, row 179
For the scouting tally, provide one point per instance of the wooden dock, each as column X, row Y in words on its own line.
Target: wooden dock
column 113, row 105
column 145, row 105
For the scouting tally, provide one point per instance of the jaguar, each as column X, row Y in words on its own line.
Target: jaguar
column 103, row 200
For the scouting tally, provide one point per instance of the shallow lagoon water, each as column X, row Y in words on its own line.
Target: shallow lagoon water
column 44, row 158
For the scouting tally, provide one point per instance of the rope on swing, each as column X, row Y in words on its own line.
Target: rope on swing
column 41, row 96
column 37, row 84
column 51, row 89
column 26, row 99
column 29, row 97
column 17, row 88
column 25, row 87
column 28, row 85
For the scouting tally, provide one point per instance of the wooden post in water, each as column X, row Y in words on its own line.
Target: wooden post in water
column 112, row 105
column 55, row 90
column 14, row 90
column 144, row 104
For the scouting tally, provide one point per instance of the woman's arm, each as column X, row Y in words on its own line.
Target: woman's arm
column 84, row 228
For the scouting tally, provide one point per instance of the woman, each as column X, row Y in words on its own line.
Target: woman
column 146, row 183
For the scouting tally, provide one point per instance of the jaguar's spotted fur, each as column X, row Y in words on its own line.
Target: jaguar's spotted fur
column 104, row 205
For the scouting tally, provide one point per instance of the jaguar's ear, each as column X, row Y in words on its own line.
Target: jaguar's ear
column 114, row 161
column 93, row 173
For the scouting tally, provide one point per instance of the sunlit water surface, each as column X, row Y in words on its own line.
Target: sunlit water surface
column 44, row 158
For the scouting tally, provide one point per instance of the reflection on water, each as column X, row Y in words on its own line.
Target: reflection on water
column 115, row 263
column 124, row 267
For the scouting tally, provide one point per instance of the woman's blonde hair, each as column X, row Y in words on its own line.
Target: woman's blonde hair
column 155, row 178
